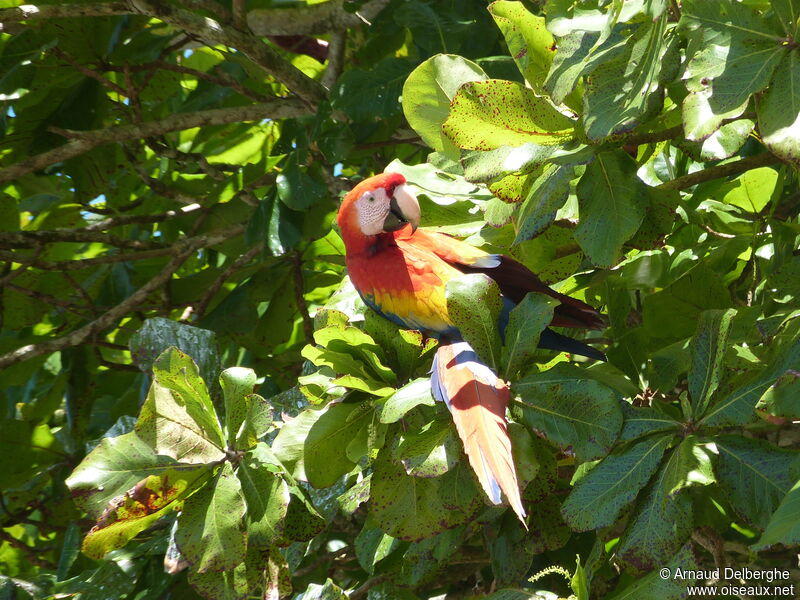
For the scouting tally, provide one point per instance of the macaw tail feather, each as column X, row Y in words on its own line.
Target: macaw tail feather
column 551, row 340
column 478, row 399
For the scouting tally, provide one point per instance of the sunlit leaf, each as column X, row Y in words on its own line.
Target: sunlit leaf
column 210, row 533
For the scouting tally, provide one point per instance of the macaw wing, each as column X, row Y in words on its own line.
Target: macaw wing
column 514, row 278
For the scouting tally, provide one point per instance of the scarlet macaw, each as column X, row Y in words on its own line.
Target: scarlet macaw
column 401, row 271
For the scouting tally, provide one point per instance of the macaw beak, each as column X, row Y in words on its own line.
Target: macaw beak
column 403, row 209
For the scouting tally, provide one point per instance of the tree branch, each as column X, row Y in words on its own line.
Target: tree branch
column 29, row 12
column 32, row 239
column 122, row 220
column 299, row 291
column 83, row 263
column 264, row 56
column 313, row 19
column 362, row 591
column 183, row 250
column 336, row 50
column 719, row 171
column 279, row 108
column 239, row 8
column 46, row 298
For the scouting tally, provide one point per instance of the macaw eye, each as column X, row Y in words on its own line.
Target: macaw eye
column 370, row 197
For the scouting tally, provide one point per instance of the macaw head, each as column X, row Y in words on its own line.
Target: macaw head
column 380, row 204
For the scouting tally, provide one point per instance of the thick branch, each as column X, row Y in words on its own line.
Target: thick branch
column 183, row 250
column 31, row 239
column 260, row 53
column 719, row 171
column 280, row 108
column 336, row 51
column 84, row 263
column 28, row 12
column 313, row 19
column 299, row 296
column 122, row 220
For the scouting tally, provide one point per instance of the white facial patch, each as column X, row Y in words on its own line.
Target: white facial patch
column 372, row 206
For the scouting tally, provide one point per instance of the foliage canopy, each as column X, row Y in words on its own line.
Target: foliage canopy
column 197, row 402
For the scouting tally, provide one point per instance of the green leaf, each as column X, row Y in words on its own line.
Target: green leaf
column 231, row 584
column 266, row 495
column 489, row 165
column 408, row 397
column 363, row 385
column 553, row 255
column 288, row 445
column 405, row 349
column 178, row 418
column 548, row 193
column 610, row 206
column 600, row 495
column 372, row 546
column 643, row 421
column 140, row 507
column 482, row 118
column 783, row 399
column 427, row 94
column 723, row 143
column 654, row 585
column 784, row 526
column 237, row 384
column 778, row 110
column 754, row 475
column 708, row 347
column 526, row 322
column 579, row 583
column 329, row 591
column 355, row 496
column 156, row 335
column 413, row 508
column 302, row 522
column 739, row 52
column 753, row 190
column 701, row 119
column 511, row 555
column 571, row 410
column 787, row 12
column 357, row 343
column 528, row 41
column 474, row 305
column 70, row 550
column 297, row 189
column 257, row 422
column 324, row 453
column 628, row 89
column 338, row 362
column 737, row 406
column 430, row 451
column 660, row 524
column 690, row 464
column 579, row 53
column 9, row 213
column 371, row 95
column 210, row 529
column 674, row 311
column 113, row 468
column 548, row 531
